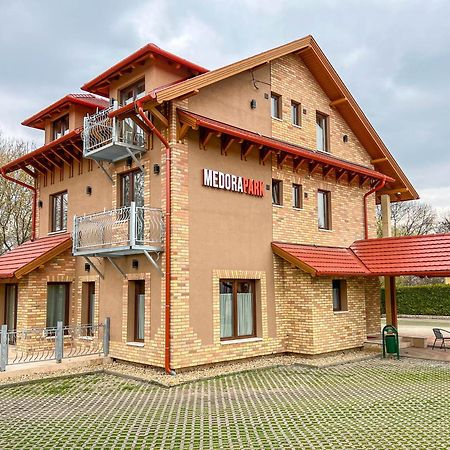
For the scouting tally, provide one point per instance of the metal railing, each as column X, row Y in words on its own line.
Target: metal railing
column 100, row 130
column 119, row 229
column 47, row 344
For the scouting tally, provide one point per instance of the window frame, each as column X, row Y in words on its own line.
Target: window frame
column 280, row 184
column 235, row 335
column 133, row 86
column 64, row 121
column 340, row 286
column 299, row 188
column 326, row 132
column 327, row 209
column 53, row 213
column 277, row 98
column 298, row 117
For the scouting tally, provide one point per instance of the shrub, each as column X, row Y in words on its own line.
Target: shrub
column 433, row 300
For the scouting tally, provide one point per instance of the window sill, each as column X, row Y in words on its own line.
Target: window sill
column 296, row 126
column 135, row 344
column 51, row 233
column 327, row 152
column 297, row 209
column 325, row 230
column 341, row 312
column 277, row 206
column 277, row 118
column 241, row 341
column 87, row 338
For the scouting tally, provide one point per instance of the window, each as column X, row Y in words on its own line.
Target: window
column 132, row 92
column 57, row 304
column 237, row 309
column 297, row 196
column 136, row 311
column 322, row 132
column 277, row 192
column 295, row 113
column 132, row 188
column 60, row 127
column 339, row 288
column 88, row 306
column 10, row 318
column 324, row 210
column 275, row 103
column 59, row 211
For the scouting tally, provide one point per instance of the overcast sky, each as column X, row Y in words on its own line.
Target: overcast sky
column 393, row 55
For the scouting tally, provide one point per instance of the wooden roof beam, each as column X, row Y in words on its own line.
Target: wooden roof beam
column 160, row 116
column 281, row 159
column 353, row 178
column 38, row 164
column 297, row 163
column 246, row 148
column 313, row 167
column 378, row 160
column 205, row 137
column 328, row 171
column 264, row 154
column 338, row 101
column 141, row 124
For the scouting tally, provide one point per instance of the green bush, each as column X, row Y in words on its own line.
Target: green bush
column 432, row 300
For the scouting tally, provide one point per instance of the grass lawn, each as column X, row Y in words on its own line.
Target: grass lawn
column 375, row 404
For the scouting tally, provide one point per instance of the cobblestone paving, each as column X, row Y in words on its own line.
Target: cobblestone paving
column 365, row 405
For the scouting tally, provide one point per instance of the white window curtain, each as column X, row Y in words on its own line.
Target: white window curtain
column 56, row 304
column 226, row 315
column 140, row 316
column 245, row 314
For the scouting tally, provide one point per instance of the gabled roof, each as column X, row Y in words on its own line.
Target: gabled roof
column 319, row 261
column 88, row 100
column 300, row 153
column 340, row 98
column 427, row 255
column 29, row 256
column 100, row 84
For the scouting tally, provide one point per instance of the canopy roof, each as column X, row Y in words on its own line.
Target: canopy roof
column 427, row 255
column 29, row 256
column 302, row 157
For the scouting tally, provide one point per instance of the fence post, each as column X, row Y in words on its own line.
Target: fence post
column 106, row 336
column 59, row 341
column 132, row 224
column 3, row 348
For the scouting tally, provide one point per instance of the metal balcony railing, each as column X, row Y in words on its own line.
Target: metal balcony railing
column 111, row 139
column 121, row 231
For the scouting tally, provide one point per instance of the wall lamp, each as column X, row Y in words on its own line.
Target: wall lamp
column 156, row 169
column 88, row 190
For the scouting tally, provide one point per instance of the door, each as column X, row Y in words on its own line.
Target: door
column 11, row 309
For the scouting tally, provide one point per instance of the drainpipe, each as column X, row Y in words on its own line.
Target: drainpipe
column 377, row 187
column 152, row 127
column 34, row 190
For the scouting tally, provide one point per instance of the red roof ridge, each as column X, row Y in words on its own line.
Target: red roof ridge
column 397, row 238
column 83, row 99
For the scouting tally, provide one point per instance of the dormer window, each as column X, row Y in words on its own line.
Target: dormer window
column 61, row 127
column 132, row 92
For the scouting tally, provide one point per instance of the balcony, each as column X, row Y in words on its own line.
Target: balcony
column 122, row 231
column 111, row 139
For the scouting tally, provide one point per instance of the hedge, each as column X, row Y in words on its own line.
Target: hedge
column 431, row 299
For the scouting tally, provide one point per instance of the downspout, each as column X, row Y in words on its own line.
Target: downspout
column 153, row 129
column 34, row 190
column 377, row 187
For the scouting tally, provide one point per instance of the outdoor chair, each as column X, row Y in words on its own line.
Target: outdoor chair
column 438, row 335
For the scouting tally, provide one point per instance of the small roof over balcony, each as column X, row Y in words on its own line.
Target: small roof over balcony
column 427, row 255
column 88, row 100
column 29, row 256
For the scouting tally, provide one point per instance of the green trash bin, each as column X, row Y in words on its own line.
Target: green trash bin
column 391, row 344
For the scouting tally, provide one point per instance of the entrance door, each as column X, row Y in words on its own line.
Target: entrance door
column 11, row 306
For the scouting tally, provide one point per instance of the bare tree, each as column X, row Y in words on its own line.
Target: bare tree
column 444, row 224
column 15, row 200
column 413, row 218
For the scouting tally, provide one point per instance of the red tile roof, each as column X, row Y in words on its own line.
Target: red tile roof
column 321, row 260
column 272, row 143
column 89, row 100
column 30, row 255
column 97, row 85
column 427, row 255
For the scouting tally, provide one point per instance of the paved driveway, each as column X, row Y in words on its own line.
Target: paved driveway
column 373, row 404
